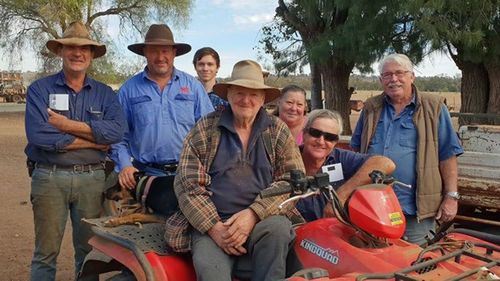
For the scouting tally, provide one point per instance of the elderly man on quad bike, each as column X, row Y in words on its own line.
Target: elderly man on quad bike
column 227, row 159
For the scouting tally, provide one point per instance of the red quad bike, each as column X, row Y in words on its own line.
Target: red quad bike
column 361, row 243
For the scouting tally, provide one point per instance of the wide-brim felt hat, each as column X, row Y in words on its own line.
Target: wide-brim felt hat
column 76, row 35
column 160, row 35
column 248, row 74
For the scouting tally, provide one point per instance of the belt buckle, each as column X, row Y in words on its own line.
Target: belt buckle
column 170, row 167
column 78, row 168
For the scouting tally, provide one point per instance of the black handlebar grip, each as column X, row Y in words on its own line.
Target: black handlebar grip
column 275, row 191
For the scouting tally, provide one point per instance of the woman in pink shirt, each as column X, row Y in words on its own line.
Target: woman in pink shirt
column 292, row 109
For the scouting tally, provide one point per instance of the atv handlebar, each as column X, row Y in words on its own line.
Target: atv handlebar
column 270, row 192
column 300, row 186
column 380, row 178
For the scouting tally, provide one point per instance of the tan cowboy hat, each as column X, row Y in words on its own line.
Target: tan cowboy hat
column 76, row 35
column 161, row 35
column 248, row 74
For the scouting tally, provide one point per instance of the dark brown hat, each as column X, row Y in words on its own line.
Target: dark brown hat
column 160, row 35
column 76, row 35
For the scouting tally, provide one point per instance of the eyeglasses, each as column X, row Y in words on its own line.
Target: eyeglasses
column 315, row 133
column 399, row 74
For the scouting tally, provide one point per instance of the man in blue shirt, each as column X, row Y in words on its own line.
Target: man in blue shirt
column 351, row 169
column 71, row 120
column 413, row 129
column 161, row 104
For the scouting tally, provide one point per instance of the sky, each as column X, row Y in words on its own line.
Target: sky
column 232, row 28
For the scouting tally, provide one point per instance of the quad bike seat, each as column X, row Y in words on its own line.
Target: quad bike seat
column 122, row 242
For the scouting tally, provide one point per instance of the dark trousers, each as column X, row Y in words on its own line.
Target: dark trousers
column 268, row 246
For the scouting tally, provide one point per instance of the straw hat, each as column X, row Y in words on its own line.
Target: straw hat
column 248, row 74
column 76, row 35
column 160, row 35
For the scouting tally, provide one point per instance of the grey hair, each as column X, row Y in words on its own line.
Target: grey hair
column 323, row 113
column 399, row 59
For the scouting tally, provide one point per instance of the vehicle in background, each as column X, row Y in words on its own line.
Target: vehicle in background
column 11, row 87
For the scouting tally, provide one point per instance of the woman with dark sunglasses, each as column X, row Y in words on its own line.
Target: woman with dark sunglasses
column 347, row 169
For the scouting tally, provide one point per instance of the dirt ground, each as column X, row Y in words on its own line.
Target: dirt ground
column 16, row 217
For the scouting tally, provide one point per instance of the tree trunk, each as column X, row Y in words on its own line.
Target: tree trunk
column 316, row 87
column 493, row 69
column 475, row 91
column 337, row 95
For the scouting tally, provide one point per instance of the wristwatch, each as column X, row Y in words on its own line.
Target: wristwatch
column 453, row 194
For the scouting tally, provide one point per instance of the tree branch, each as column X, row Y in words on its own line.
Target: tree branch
column 113, row 11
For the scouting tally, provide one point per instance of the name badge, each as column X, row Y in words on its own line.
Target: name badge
column 59, row 102
column 334, row 172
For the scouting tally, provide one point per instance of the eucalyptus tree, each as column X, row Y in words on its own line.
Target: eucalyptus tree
column 28, row 24
column 338, row 36
column 470, row 32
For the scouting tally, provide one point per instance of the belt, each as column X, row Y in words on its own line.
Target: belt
column 83, row 168
column 170, row 167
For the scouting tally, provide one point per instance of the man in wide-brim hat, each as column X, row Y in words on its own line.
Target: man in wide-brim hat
column 76, row 35
column 161, row 105
column 227, row 159
column 160, row 35
column 71, row 119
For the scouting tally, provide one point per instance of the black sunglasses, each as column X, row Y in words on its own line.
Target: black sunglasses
column 315, row 133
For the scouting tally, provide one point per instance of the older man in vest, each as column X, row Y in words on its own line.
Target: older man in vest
column 413, row 129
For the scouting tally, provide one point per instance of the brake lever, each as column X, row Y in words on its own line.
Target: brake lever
column 298, row 197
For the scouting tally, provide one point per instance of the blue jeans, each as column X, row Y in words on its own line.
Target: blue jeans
column 417, row 230
column 54, row 195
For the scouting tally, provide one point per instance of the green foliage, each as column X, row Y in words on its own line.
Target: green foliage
column 29, row 24
column 466, row 28
column 357, row 32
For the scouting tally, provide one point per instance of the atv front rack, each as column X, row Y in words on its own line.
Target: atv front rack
column 428, row 266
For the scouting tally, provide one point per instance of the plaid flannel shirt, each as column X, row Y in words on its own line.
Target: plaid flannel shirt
column 200, row 147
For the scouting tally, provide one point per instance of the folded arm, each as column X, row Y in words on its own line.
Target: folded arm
column 66, row 125
column 106, row 130
column 39, row 131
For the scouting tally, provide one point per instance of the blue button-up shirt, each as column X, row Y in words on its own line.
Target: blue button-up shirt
column 96, row 104
column 158, row 120
column 217, row 102
column 396, row 138
column 311, row 208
